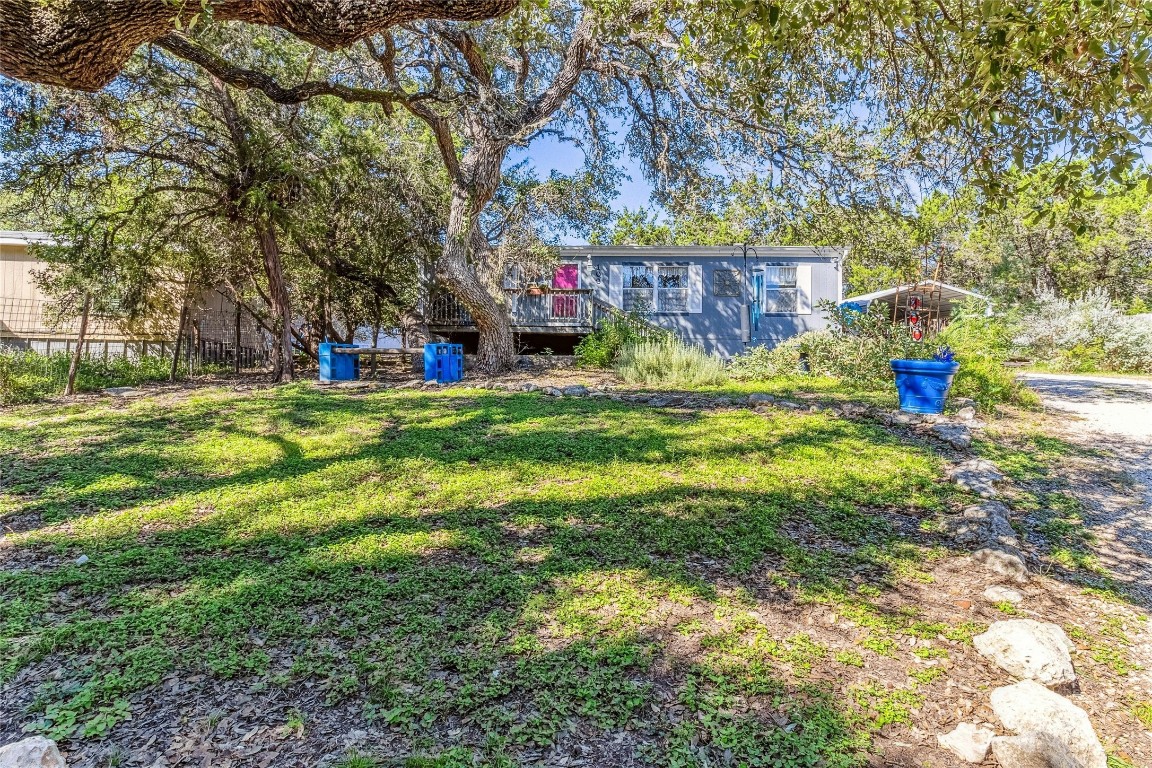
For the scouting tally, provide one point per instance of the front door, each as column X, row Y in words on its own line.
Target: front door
column 564, row 305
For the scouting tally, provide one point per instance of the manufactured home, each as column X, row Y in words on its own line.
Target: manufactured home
column 721, row 298
column 28, row 319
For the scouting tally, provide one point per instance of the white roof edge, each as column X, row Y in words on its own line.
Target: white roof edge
column 25, row 237
column 712, row 251
column 908, row 287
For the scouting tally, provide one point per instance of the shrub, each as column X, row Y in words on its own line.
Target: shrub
column 855, row 349
column 27, row 376
column 858, row 346
column 669, row 362
column 982, row 345
column 602, row 347
column 1086, row 334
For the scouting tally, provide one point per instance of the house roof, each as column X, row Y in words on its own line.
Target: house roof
column 763, row 252
column 22, row 237
column 947, row 292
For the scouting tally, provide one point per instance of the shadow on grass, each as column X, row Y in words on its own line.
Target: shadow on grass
column 507, row 566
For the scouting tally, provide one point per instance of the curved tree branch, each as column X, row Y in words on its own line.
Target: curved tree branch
column 83, row 44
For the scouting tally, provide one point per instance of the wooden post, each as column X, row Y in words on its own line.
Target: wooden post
column 179, row 334
column 74, row 366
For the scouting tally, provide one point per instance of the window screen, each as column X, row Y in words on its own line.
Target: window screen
column 639, row 288
column 672, row 283
column 779, row 290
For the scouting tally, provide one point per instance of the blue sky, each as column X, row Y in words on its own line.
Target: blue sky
column 546, row 154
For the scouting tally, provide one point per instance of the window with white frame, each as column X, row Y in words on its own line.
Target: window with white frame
column 639, row 288
column 780, row 289
column 672, row 289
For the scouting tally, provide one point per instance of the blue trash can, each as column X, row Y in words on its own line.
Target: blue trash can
column 338, row 367
column 443, row 362
column 923, row 384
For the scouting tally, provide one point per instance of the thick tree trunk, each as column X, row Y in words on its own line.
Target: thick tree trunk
column 478, row 292
column 81, row 337
column 84, row 43
column 278, row 293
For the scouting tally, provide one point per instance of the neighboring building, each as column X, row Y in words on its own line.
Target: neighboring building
column 714, row 297
column 27, row 322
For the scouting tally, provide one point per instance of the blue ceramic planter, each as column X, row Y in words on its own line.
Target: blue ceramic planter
column 923, row 384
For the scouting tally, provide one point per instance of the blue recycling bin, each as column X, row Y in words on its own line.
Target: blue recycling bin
column 338, row 367
column 443, row 362
column 923, row 384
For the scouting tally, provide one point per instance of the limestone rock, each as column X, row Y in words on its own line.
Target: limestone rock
column 1033, row 749
column 1000, row 594
column 758, row 398
column 1029, row 650
column 576, row 390
column 978, row 476
column 123, row 391
column 1030, row 707
column 967, row 413
column 553, row 391
column 956, row 435
column 1006, row 563
column 36, row 752
column 969, row 743
column 985, row 524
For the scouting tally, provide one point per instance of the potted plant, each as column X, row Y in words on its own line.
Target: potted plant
column 536, row 289
column 923, row 384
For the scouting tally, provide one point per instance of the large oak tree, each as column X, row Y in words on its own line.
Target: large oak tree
column 695, row 86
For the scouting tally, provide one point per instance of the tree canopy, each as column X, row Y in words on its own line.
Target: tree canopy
column 823, row 106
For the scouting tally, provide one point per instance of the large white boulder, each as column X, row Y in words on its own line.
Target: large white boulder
column 1033, row 750
column 1029, row 650
column 967, row 742
column 36, row 752
column 1028, row 707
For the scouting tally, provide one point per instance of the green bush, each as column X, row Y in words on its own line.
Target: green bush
column 982, row 345
column 602, row 347
column 27, row 376
column 857, row 348
column 1086, row 334
column 669, row 362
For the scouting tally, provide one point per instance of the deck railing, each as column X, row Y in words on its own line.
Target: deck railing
column 559, row 308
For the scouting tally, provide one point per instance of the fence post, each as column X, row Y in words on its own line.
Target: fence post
column 74, row 366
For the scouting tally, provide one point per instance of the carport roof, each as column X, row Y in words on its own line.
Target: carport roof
column 949, row 293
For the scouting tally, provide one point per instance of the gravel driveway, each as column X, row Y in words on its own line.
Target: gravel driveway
column 1113, row 416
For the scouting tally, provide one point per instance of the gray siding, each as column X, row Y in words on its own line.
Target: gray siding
column 717, row 326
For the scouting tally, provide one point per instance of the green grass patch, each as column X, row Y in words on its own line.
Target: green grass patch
column 504, row 560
